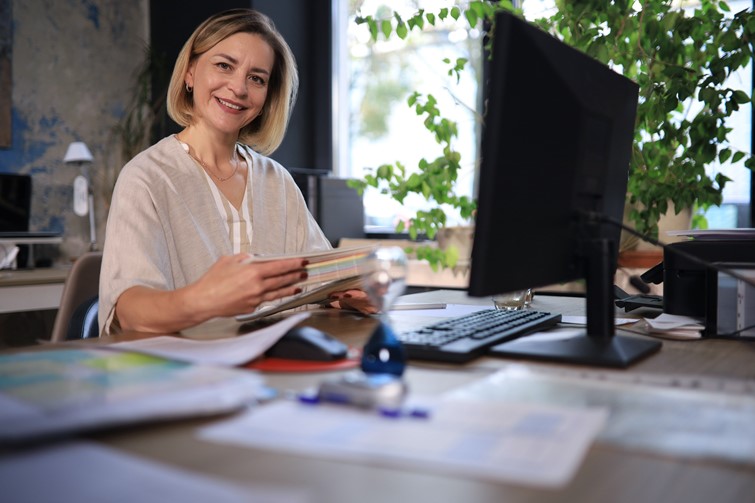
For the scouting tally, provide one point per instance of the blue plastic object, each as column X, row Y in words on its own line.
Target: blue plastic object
column 383, row 353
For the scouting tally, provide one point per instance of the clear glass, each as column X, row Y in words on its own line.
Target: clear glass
column 510, row 301
column 384, row 279
column 384, row 276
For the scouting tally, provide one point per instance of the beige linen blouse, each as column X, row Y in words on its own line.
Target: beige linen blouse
column 164, row 228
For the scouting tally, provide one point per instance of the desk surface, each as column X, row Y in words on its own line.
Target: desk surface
column 31, row 289
column 609, row 472
column 38, row 276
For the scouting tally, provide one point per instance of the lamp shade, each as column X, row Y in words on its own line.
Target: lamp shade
column 78, row 152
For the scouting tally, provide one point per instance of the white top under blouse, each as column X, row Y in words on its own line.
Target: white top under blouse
column 238, row 222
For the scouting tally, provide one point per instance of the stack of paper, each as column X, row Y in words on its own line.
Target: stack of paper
column 673, row 326
column 60, row 391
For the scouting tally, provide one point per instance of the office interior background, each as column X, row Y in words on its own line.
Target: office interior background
column 69, row 72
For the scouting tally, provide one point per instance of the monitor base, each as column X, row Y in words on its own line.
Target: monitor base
column 617, row 351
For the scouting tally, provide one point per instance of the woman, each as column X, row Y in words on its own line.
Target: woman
column 187, row 212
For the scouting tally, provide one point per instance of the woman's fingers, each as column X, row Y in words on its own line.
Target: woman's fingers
column 272, row 268
column 356, row 300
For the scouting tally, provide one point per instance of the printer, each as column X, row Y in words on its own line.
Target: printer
column 689, row 286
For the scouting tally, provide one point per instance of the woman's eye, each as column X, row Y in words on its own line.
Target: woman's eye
column 257, row 80
column 224, row 66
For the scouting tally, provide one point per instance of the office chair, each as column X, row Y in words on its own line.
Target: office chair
column 84, row 321
column 78, row 304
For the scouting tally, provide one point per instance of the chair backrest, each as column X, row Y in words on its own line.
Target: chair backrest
column 84, row 321
column 82, row 284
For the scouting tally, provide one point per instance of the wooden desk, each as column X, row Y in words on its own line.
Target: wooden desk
column 31, row 289
column 608, row 474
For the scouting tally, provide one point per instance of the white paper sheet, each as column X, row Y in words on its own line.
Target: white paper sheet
column 582, row 320
column 404, row 320
column 451, row 310
column 530, row 445
column 85, row 472
column 675, row 326
column 230, row 351
column 675, row 415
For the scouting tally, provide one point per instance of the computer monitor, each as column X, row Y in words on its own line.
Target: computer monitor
column 555, row 153
column 15, row 202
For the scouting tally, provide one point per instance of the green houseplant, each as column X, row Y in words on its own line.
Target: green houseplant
column 681, row 58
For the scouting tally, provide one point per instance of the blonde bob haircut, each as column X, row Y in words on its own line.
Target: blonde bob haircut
column 265, row 133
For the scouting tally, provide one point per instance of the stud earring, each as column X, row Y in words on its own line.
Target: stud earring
column 189, row 88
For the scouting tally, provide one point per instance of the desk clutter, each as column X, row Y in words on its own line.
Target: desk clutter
column 368, row 414
column 508, row 426
column 56, row 392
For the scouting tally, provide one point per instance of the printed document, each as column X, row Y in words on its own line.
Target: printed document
column 533, row 445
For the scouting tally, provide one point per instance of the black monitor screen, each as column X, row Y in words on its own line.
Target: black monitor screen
column 15, row 202
column 555, row 153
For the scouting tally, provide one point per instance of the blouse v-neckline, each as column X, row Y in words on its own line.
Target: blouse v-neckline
column 214, row 187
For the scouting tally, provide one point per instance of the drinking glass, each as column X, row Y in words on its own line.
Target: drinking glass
column 384, row 279
column 510, row 301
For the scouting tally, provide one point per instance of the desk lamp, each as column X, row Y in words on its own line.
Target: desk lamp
column 83, row 198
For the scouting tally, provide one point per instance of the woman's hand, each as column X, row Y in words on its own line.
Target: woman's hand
column 356, row 300
column 236, row 285
column 233, row 285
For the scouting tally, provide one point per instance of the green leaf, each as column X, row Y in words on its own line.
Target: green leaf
column 402, row 31
column 385, row 171
column 373, row 28
column 471, row 17
column 451, row 256
column 414, row 181
column 741, row 97
column 386, row 28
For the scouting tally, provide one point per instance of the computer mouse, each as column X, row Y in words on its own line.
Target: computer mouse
column 308, row 343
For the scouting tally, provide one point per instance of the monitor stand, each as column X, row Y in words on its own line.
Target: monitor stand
column 598, row 345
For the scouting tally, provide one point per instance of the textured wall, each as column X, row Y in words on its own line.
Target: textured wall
column 73, row 70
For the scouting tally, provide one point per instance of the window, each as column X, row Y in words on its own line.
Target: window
column 376, row 124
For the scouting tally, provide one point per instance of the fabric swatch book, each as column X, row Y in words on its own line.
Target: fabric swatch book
column 329, row 265
column 60, row 391
column 328, row 271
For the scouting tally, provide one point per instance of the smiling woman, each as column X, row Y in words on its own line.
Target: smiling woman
column 187, row 212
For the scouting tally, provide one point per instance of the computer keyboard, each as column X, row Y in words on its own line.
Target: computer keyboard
column 463, row 338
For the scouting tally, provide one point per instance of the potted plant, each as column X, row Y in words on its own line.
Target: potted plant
column 134, row 132
column 681, row 58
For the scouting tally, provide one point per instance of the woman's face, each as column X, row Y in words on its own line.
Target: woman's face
column 230, row 82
